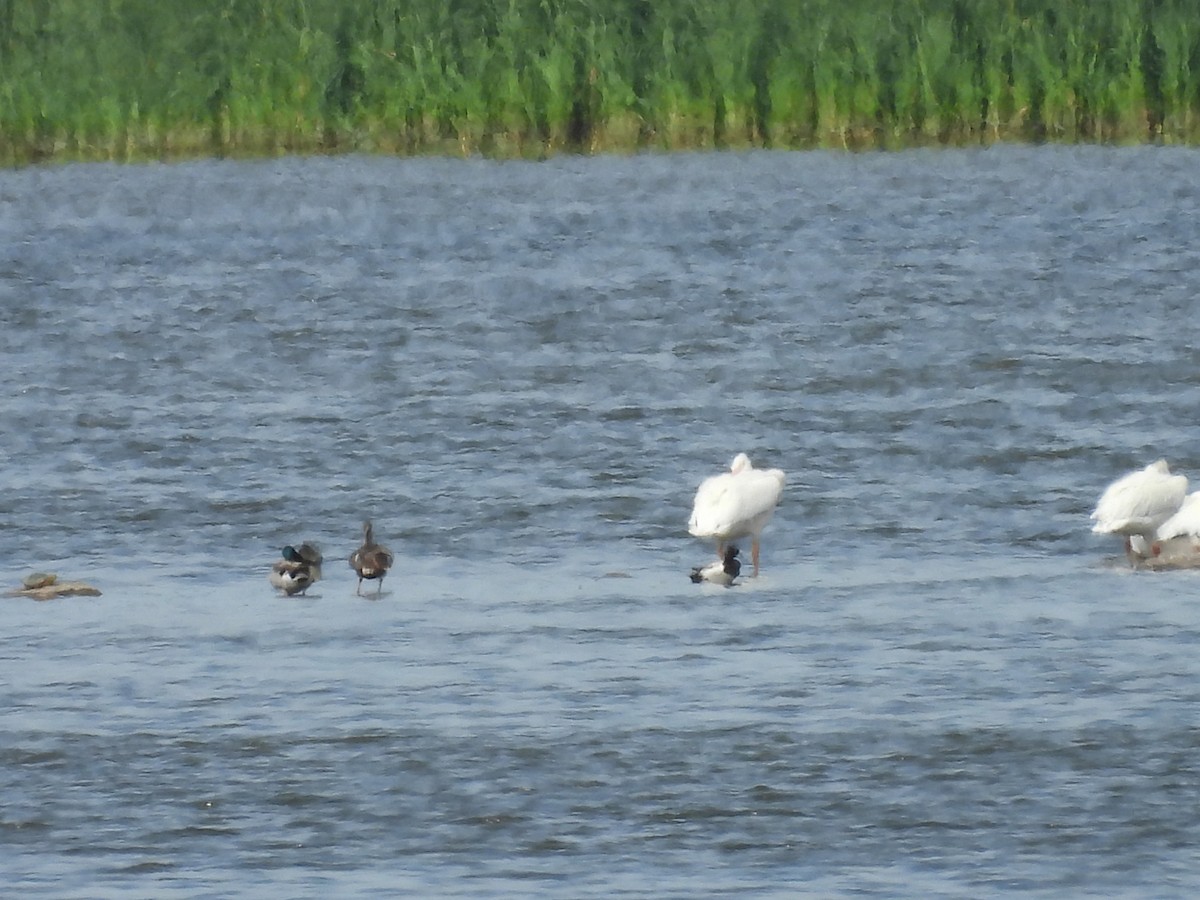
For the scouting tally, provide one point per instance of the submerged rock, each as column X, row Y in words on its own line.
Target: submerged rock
column 1169, row 563
column 46, row 586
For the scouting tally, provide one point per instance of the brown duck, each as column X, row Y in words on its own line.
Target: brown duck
column 371, row 560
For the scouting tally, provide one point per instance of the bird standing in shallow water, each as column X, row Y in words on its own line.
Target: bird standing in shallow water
column 738, row 503
column 371, row 561
column 723, row 571
column 1136, row 504
column 1176, row 544
column 298, row 569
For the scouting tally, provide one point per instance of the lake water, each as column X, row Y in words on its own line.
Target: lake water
column 940, row 685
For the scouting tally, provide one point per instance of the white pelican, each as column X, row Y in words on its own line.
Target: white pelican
column 1138, row 503
column 736, row 504
column 1180, row 534
column 723, row 571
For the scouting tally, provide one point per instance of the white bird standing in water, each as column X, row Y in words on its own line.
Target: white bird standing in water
column 1136, row 504
column 1180, row 534
column 737, row 504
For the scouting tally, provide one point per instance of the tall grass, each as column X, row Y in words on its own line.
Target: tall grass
column 111, row 79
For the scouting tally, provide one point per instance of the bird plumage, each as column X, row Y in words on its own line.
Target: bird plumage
column 1184, row 522
column 723, row 571
column 298, row 569
column 1138, row 504
column 1177, row 540
column 737, row 504
column 371, row 561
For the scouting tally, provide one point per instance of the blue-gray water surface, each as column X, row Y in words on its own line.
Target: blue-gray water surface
column 942, row 684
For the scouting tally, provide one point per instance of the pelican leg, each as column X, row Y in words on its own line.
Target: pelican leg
column 720, row 549
column 754, row 555
column 1136, row 556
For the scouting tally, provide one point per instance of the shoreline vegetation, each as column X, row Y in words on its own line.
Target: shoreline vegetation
column 146, row 79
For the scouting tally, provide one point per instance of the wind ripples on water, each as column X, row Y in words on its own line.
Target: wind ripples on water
column 941, row 685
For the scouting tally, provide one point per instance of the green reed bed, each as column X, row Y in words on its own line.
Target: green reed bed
column 113, row 79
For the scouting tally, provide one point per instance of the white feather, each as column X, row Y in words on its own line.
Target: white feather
column 1140, row 502
column 1185, row 523
column 737, row 503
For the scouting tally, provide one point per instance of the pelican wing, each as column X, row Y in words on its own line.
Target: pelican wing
column 1139, row 502
column 1185, row 522
column 730, row 504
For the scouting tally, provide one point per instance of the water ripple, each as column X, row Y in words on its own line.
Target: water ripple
column 941, row 685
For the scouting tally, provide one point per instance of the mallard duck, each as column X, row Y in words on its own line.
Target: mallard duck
column 735, row 504
column 723, row 571
column 1136, row 504
column 371, row 560
column 298, row 569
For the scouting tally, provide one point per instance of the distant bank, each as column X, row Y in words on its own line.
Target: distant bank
column 137, row 79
